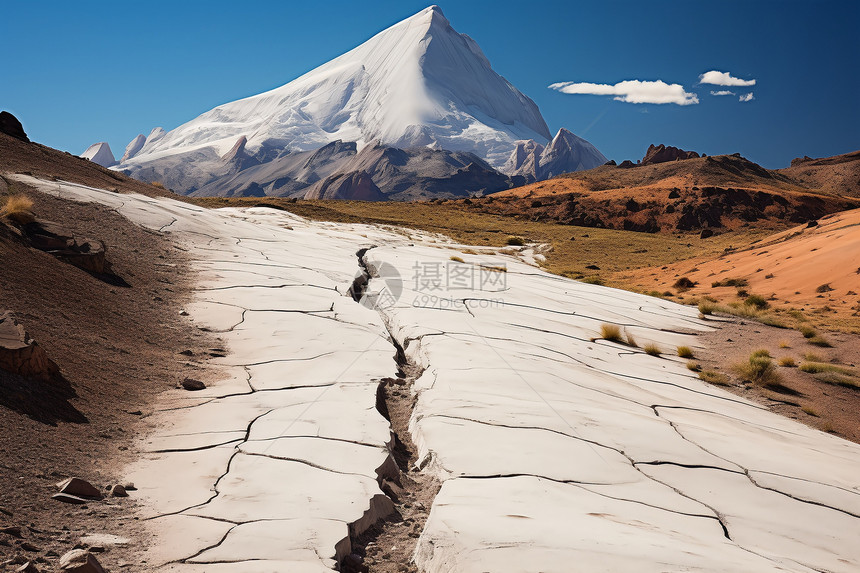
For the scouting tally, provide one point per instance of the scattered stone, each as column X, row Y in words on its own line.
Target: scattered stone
column 27, row 567
column 118, row 491
column 13, row 530
column 27, row 546
column 187, row 353
column 183, row 312
column 706, row 233
column 129, row 486
column 79, row 488
column 5, row 511
column 80, row 561
column 84, row 253
column 20, row 354
column 192, row 385
column 593, row 267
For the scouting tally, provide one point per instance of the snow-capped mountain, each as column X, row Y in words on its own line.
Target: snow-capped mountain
column 565, row 153
column 416, row 84
column 100, row 154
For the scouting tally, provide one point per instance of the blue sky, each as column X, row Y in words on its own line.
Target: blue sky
column 80, row 72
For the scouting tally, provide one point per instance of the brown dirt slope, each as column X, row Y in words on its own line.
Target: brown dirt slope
column 116, row 346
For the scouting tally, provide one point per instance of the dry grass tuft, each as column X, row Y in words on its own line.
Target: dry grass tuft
column 18, row 209
column 610, row 332
column 631, row 341
column 652, row 349
column 457, row 259
column 714, row 377
column 787, row 362
column 760, row 369
column 685, row 352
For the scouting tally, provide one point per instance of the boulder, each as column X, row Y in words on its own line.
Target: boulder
column 80, row 561
column 662, row 154
column 118, row 491
column 193, row 385
column 626, row 164
column 20, row 354
column 10, row 125
column 84, row 253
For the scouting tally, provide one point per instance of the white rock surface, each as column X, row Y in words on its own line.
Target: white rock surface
column 557, row 451
column 100, row 154
column 134, row 146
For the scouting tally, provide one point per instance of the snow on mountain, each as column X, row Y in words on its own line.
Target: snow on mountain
column 417, row 83
column 100, row 154
column 565, row 153
column 133, row 147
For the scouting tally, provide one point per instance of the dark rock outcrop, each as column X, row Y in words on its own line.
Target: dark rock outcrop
column 20, row 354
column 356, row 186
column 10, row 125
column 662, row 154
column 86, row 254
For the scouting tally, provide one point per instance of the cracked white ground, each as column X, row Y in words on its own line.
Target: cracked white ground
column 556, row 453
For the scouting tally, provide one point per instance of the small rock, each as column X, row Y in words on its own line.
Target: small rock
column 118, row 491
column 187, row 353
column 183, row 312
column 80, row 561
column 27, row 567
column 706, row 234
column 392, row 490
column 27, row 546
column 129, row 486
column 14, row 531
column 79, row 488
column 97, row 549
column 5, row 511
column 192, row 385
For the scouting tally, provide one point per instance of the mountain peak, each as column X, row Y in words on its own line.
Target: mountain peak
column 418, row 83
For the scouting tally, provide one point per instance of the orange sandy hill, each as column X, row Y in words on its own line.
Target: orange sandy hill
column 811, row 267
column 713, row 193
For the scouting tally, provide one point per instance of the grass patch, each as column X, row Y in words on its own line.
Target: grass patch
column 458, row 259
column 757, row 301
column 807, row 331
column 610, row 332
column 685, row 352
column 714, row 377
column 784, row 344
column 631, row 341
column 652, row 349
column 816, row 367
column 707, row 308
column 838, row 379
column 730, row 283
column 18, row 209
column 787, row 362
column 819, row 340
column 694, row 366
column 592, row 280
column 760, row 370
column 810, row 410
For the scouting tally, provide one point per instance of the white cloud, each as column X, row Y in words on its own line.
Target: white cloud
column 633, row 91
column 746, row 97
column 723, row 79
column 722, row 93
